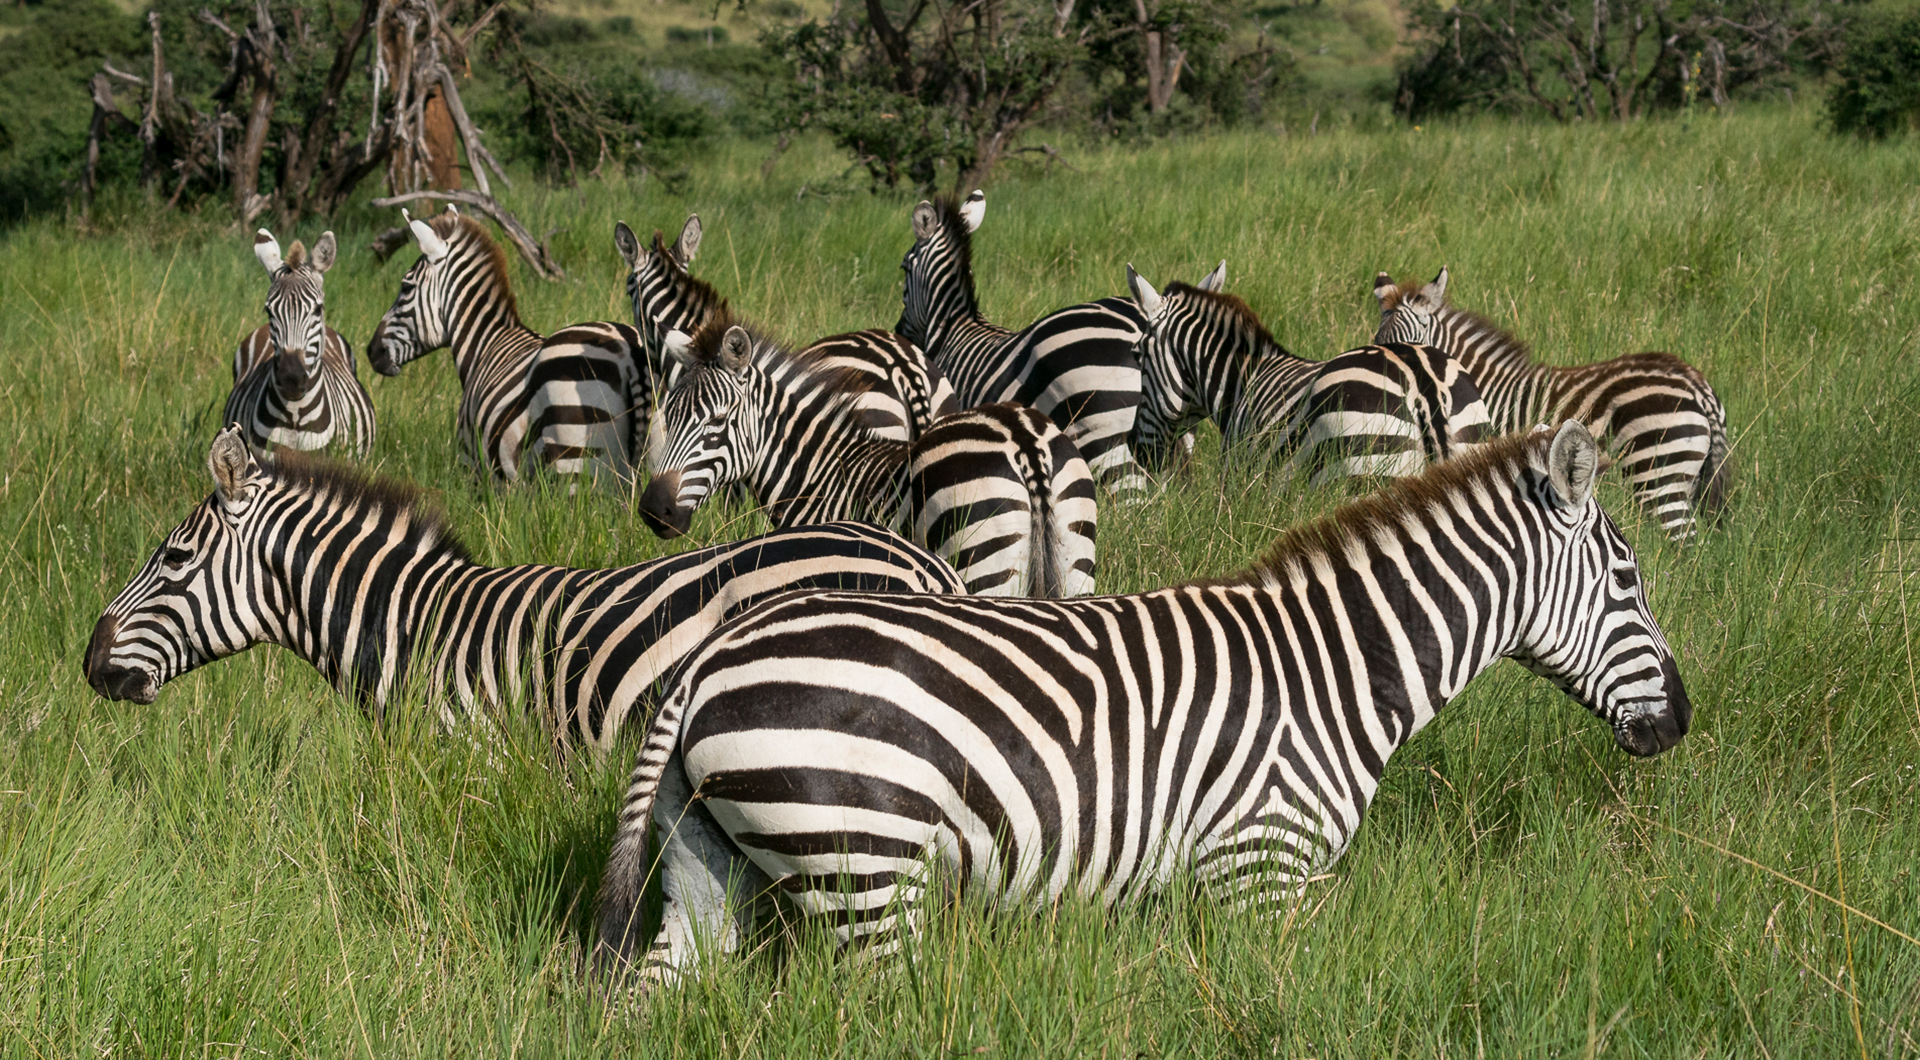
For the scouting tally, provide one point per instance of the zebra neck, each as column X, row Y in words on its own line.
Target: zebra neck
column 491, row 336
column 817, row 464
column 1257, row 389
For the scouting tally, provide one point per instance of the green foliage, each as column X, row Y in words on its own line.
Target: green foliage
column 44, row 69
column 1222, row 81
column 1878, row 86
column 249, row 865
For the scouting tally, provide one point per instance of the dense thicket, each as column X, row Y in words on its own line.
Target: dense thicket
column 1878, row 87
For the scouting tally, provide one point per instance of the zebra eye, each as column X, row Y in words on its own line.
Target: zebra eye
column 1626, row 578
column 175, row 557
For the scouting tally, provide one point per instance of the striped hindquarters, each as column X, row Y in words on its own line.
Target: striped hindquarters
column 590, row 391
column 1004, row 495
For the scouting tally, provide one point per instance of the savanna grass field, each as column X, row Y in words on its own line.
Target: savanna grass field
column 252, row 866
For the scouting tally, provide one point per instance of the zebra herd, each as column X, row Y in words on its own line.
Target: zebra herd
column 853, row 716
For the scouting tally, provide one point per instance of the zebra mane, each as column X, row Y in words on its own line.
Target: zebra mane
column 808, row 366
column 347, row 486
column 452, row 227
column 947, row 209
column 1235, row 310
column 1389, row 508
column 1507, row 348
column 700, row 292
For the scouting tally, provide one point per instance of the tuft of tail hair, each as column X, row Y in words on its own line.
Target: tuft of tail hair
column 1044, row 547
column 1716, row 475
column 625, row 881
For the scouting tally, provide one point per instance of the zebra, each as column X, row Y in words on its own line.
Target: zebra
column 458, row 295
column 1376, row 410
column 1076, row 364
column 1656, row 413
column 582, row 398
column 294, row 380
column 997, row 490
column 360, row 576
column 851, row 750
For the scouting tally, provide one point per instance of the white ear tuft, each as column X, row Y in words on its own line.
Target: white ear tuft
column 626, row 243
column 1573, row 463
column 430, row 242
column 974, row 210
column 679, row 346
column 1215, row 281
column 325, row 251
column 267, row 249
column 233, row 466
column 1150, row 301
column 1435, row 292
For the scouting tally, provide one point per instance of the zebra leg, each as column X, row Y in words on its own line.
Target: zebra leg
column 708, row 883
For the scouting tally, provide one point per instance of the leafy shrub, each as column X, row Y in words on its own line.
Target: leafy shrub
column 1878, row 91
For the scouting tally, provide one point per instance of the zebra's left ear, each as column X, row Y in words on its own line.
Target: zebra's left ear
column 974, row 210
column 233, row 466
column 1385, row 291
column 1215, row 281
column 267, row 249
column 736, row 350
column 1573, row 463
column 1435, row 292
column 1143, row 293
column 679, row 345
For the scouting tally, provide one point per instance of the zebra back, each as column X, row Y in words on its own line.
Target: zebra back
column 1657, row 414
column 294, row 378
column 362, row 578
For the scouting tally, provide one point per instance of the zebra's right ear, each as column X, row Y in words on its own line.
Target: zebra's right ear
column 1573, row 463
column 688, row 244
column 974, row 210
column 1215, row 281
column 267, row 249
column 626, row 243
column 736, row 350
column 233, row 466
column 324, row 252
column 925, row 221
column 1435, row 292
column 1150, row 301
column 430, row 242
column 679, row 346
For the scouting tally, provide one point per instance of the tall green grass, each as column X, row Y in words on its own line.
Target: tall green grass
column 250, row 866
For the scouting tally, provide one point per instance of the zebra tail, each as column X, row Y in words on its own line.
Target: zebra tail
column 625, row 881
column 1716, row 475
column 1044, row 546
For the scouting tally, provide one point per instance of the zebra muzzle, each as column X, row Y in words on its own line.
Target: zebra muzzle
column 660, row 506
column 111, row 679
column 1650, row 734
column 378, row 355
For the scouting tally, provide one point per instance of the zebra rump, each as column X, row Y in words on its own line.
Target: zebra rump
column 294, row 379
column 362, row 578
column 1657, row 414
column 835, row 748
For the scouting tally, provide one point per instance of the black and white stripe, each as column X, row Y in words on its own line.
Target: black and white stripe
column 1076, row 364
column 458, row 295
column 835, row 748
column 1655, row 413
column 294, row 380
column 359, row 578
column 1376, row 410
column 999, row 491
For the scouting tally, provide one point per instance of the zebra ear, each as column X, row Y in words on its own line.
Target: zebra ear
column 1143, row 293
column 679, row 346
column 324, row 251
column 688, row 244
column 430, row 242
column 626, row 243
column 1573, row 463
column 925, row 221
column 1435, row 292
column 736, row 350
column 267, row 249
column 974, row 210
column 1384, row 290
column 233, row 466
column 1216, row 280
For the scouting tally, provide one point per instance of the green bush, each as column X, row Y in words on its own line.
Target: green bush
column 44, row 70
column 1878, row 90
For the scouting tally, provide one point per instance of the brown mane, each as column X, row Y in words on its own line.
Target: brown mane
column 1232, row 306
column 702, row 291
column 426, row 521
column 1330, row 534
column 452, row 226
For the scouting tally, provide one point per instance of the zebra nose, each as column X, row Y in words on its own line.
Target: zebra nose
column 378, row 355
column 108, row 678
column 660, row 506
column 1651, row 734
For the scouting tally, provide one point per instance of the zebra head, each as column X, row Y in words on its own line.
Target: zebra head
column 420, row 320
column 666, row 297
column 1410, row 314
column 1589, row 630
column 182, row 610
column 707, row 432
column 1184, row 326
column 296, row 309
column 939, row 268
